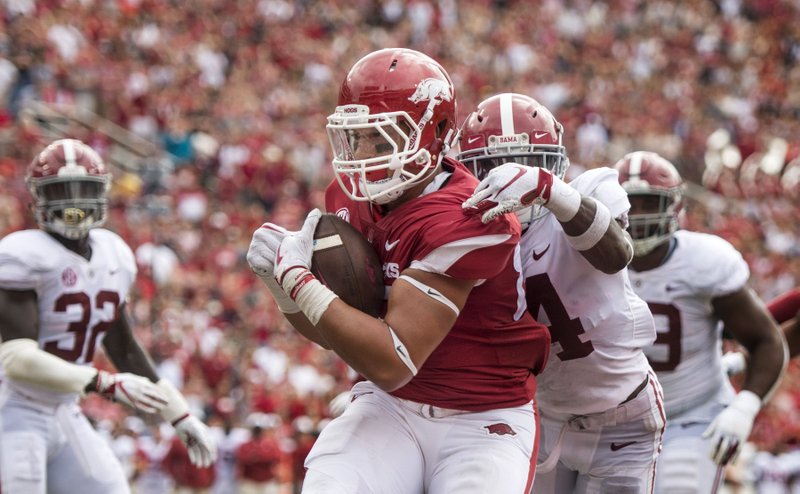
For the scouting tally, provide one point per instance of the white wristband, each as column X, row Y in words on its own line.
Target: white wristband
column 311, row 296
column 747, row 402
column 285, row 302
column 564, row 201
column 595, row 232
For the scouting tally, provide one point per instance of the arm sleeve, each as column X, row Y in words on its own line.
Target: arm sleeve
column 24, row 361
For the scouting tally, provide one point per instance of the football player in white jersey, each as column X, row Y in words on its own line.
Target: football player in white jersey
column 601, row 407
column 62, row 293
column 692, row 282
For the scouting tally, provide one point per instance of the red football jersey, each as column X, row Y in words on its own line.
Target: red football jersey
column 491, row 354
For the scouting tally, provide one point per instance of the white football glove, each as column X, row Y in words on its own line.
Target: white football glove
column 296, row 249
column 731, row 428
column 196, row 436
column 135, row 391
column 292, row 270
column 261, row 258
column 265, row 242
column 192, row 432
column 512, row 187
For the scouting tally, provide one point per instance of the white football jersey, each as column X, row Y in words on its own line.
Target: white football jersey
column 78, row 299
column 597, row 323
column 686, row 354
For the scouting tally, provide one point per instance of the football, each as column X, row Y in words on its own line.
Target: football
column 347, row 264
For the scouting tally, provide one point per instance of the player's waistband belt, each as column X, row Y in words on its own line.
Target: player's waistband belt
column 49, row 404
column 627, row 410
column 430, row 411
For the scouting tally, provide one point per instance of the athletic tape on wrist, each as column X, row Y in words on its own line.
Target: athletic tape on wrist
column 431, row 292
column 285, row 302
column 596, row 231
column 309, row 294
column 401, row 351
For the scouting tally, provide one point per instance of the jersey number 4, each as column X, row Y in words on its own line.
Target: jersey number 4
column 540, row 292
column 80, row 328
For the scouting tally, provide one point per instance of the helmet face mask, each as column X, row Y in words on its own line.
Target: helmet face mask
column 508, row 128
column 480, row 164
column 69, row 183
column 393, row 125
column 653, row 219
column 655, row 191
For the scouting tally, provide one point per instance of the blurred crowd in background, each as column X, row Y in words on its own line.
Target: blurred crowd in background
column 233, row 97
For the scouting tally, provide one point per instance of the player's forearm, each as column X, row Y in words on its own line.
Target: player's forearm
column 305, row 328
column 135, row 361
column 125, row 352
column 365, row 343
column 598, row 238
column 768, row 360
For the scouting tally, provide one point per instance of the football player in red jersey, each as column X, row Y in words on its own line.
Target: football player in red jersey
column 62, row 292
column 447, row 401
column 601, row 407
column 693, row 282
column 786, row 309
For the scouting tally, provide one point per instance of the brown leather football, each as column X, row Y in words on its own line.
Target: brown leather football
column 347, row 264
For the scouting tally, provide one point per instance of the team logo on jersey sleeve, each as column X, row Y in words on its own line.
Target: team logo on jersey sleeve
column 69, row 277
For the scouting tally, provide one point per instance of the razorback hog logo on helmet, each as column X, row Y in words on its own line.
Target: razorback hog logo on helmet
column 433, row 90
column 500, row 429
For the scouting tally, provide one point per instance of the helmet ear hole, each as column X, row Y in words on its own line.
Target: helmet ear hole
column 440, row 128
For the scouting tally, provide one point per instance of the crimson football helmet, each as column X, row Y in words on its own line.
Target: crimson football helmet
column 515, row 128
column 69, row 183
column 649, row 175
column 394, row 122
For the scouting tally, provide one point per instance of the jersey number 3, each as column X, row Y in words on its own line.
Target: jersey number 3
column 81, row 327
column 671, row 337
column 563, row 329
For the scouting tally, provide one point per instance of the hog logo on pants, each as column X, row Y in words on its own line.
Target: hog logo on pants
column 500, row 429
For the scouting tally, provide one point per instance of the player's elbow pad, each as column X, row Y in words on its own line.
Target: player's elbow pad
column 24, row 361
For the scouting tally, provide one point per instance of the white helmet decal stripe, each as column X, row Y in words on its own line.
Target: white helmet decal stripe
column 506, row 115
column 69, row 153
column 636, row 167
